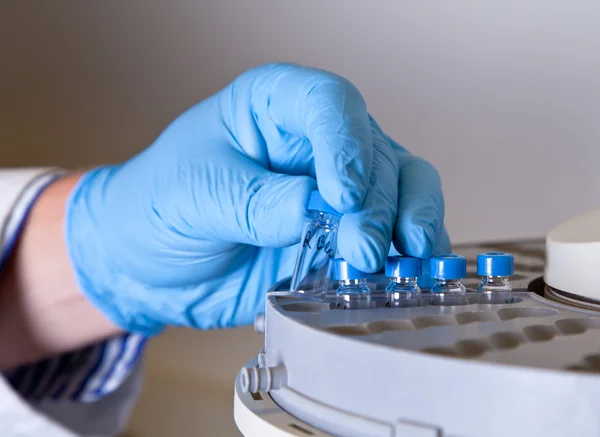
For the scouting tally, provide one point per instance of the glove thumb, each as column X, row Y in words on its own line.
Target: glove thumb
column 269, row 208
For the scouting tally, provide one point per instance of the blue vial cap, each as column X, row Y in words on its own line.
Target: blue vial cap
column 317, row 203
column 448, row 267
column 341, row 271
column 403, row 267
column 425, row 280
column 495, row 264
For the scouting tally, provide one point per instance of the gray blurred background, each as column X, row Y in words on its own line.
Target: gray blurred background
column 503, row 98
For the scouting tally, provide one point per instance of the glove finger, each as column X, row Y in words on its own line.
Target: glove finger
column 443, row 245
column 327, row 113
column 276, row 211
column 252, row 205
column 364, row 237
column 420, row 221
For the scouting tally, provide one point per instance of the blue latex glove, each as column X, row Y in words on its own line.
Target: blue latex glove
column 195, row 229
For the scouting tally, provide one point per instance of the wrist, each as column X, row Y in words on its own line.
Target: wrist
column 39, row 297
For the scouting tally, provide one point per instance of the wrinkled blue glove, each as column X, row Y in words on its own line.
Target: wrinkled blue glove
column 196, row 228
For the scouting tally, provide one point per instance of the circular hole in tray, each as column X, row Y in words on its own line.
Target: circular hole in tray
column 427, row 321
column 348, row 330
column 506, row 340
column 577, row 326
column 515, row 313
column 445, row 351
column 390, row 325
column 476, row 316
column 307, row 307
column 471, row 348
column 540, row 332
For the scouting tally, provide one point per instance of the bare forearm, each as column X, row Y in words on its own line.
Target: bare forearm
column 42, row 311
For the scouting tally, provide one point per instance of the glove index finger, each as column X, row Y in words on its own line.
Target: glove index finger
column 329, row 112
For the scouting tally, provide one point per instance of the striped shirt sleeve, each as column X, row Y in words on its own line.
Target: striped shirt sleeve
column 86, row 375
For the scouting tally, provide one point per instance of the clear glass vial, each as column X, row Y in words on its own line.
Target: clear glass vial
column 447, row 272
column 495, row 269
column 353, row 291
column 317, row 248
column 402, row 272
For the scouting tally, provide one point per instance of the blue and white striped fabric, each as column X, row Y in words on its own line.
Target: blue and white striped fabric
column 83, row 376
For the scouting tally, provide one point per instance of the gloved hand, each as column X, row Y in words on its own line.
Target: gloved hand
column 195, row 229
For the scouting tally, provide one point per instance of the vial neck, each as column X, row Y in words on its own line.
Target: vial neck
column 496, row 280
column 448, row 283
column 403, row 281
column 353, row 282
column 324, row 218
column 353, row 286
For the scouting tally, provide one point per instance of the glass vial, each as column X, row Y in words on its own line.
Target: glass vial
column 447, row 272
column 495, row 268
column 317, row 248
column 353, row 292
column 403, row 289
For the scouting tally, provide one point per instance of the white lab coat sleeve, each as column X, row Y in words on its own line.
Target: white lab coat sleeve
column 89, row 392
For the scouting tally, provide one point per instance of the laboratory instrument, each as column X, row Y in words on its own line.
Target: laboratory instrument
column 527, row 367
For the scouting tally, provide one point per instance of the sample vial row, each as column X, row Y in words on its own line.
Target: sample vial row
column 316, row 265
column 447, row 272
